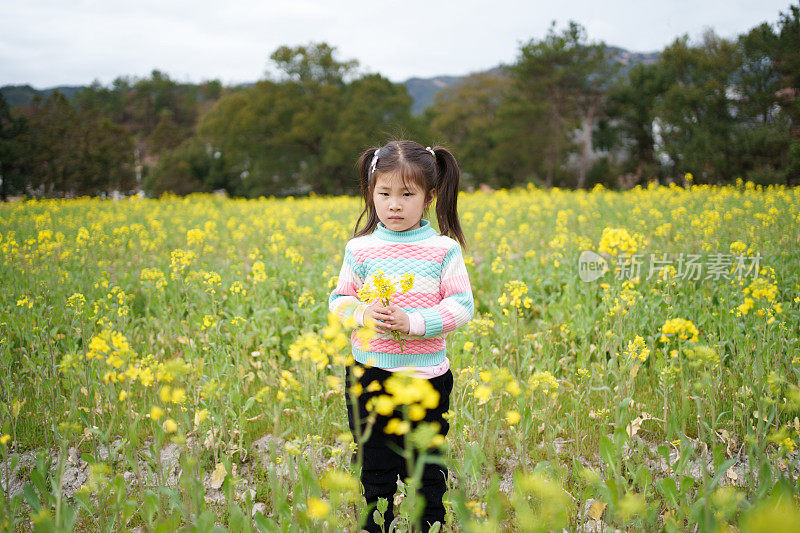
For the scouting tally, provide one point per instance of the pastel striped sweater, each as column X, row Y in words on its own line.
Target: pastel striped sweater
column 441, row 295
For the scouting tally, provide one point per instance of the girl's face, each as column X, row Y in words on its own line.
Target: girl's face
column 398, row 206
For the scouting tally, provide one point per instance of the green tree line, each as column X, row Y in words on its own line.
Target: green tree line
column 564, row 114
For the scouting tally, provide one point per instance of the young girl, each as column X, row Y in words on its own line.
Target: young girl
column 399, row 181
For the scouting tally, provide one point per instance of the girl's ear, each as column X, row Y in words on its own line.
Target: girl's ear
column 431, row 197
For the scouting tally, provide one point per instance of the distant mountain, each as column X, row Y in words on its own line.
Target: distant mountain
column 17, row 95
column 421, row 90
column 629, row 59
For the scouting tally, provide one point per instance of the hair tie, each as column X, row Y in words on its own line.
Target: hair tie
column 374, row 162
column 428, row 148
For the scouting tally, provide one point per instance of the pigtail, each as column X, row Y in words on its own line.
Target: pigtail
column 363, row 165
column 448, row 177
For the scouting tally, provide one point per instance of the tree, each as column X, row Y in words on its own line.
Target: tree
column 108, row 100
column 312, row 65
column 788, row 66
column 465, row 116
column 50, row 156
column 757, row 81
column 104, row 153
column 12, row 152
column 304, row 132
column 562, row 77
column 761, row 137
column 187, row 169
column 73, row 152
column 167, row 134
column 211, row 90
column 696, row 112
column 372, row 109
column 259, row 131
column 628, row 128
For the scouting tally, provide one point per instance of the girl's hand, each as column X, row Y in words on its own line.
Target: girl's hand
column 372, row 318
column 391, row 318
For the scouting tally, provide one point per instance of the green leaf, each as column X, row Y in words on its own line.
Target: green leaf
column 608, row 452
column 38, row 481
column 721, row 471
column 237, row 521
column 262, row 523
column 643, row 477
column 32, row 498
column 669, row 489
column 248, row 404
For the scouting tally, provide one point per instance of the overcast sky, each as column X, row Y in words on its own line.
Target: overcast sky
column 46, row 43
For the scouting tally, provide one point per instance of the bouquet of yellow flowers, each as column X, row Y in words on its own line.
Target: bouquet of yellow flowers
column 381, row 289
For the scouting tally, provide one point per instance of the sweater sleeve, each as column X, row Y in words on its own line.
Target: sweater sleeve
column 457, row 305
column 343, row 301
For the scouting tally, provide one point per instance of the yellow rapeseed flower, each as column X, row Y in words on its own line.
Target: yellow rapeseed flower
column 317, row 508
column 544, row 382
column 397, row 427
column 146, row 377
column 340, row 481
column 199, row 416
column 165, row 393
column 258, row 272
column 416, row 412
column 383, row 405
column 98, row 345
column 681, row 327
column 178, row 395
column 406, row 282
column 334, row 382
column 384, row 288
column 482, row 393
column 616, row 241
column 512, row 387
column 406, row 390
column 514, row 294
column 637, row 349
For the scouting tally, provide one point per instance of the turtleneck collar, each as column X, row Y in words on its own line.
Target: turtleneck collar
column 422, row 232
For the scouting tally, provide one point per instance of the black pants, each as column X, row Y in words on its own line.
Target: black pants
column 381, row 464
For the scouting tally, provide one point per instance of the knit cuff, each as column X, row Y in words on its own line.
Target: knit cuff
column 433, row 322
column 358, row 314
column 416, row 324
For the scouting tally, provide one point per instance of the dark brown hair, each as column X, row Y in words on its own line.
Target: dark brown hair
column 413, row 162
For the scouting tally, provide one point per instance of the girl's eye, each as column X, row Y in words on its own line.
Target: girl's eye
column 407, row 194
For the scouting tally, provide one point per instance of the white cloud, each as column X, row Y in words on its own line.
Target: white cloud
column 49, row 43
